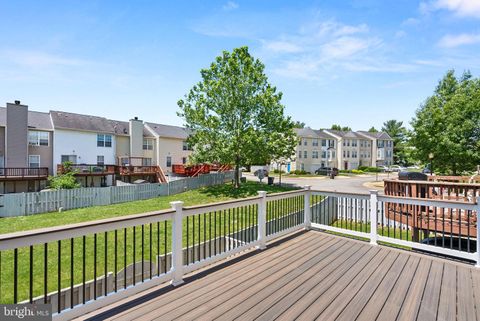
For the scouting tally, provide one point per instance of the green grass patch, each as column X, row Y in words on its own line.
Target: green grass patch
column 160, row 234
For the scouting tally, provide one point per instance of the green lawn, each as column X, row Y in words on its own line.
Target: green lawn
column 157, row 232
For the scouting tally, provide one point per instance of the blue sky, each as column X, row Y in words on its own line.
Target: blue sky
column 356, row 63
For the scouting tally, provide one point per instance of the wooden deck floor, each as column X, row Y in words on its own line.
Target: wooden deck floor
column 316, row 276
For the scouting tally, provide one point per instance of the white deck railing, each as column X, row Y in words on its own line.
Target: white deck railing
column 137, row 252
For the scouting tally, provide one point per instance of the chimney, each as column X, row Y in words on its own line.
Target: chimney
column 136, row 137
column 16, row 135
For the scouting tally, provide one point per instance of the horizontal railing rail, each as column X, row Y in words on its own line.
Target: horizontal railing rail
column 10, row 172
column 81, row 267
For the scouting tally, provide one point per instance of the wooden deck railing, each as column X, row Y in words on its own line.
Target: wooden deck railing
column 88, row 169
column 23, row 172
column 88, row 265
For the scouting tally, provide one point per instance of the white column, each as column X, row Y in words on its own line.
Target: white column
column 373, row 217
column 478, row 233
column 262, row 220
column 307, row 209
column 177, row 250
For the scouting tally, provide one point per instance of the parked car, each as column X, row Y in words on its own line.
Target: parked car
column 426, row 170
column 385, row 169
column 396, row 168
column 258, row 171
column 327, row 171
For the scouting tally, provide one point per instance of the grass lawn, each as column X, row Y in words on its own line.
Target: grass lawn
column 105, row 242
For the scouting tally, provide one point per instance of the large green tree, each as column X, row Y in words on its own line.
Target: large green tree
column 447, row 125
column 398, row 132
column 341, row 128
column 235, row 115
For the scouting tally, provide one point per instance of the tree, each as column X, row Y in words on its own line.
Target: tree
column 340, row 128
column 235, row 114
column 447, row 125
column 298, row 124
column 66, row 180
column 373, row 130
column 398, row 132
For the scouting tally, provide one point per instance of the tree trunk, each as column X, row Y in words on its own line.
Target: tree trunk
column 237, row 172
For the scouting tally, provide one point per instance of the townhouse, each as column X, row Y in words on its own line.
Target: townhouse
column 103, row 152
column 343, row 150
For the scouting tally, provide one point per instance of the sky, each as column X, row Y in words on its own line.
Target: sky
column 355, row 63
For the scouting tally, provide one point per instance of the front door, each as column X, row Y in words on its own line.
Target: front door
column 346, row 165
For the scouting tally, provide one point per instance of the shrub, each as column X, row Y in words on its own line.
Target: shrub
column 299, row 172
column 357, row 171
column 276, row 171
column 66, row 180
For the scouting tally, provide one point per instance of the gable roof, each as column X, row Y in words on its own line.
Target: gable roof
column 123, row 128
column 64, row 120
column 378, row 135
column 169, row 131
column 36, row 119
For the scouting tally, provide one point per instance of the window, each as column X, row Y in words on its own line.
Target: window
column 324, row 154
column 169, row 161
column 361, row 143
column 380, row 144
column 315, row 142
column 332, row 154
column 348, row 154
column 69, row 158
column 331, row 143
column 37, row 138
column 324, row 142
column 34, row 161
column 354, row 143
column 185, row 145
column 305, row 154
column 184, row 160
column 315, row 154
column 147, row 144
column 354, row 154
column 299, row 154
column 146, row 162
column 348, row 142
column 100, row 160
column 104, row 140
column 299, row 142
column 344, row 153
column 304, row 142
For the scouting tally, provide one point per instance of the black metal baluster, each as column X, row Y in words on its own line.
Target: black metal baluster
column 125, row 258
column 45, row 273
column 15, row 276
column 31, row 275
column 150, row 274
column 83, row 267
column 71, row 273
column 134, row 260
column 224, row 216
column 215, row 232
column 143, row 253
column 165, row 245
column 95, row 266
column 59, row 280
column 199, row 237
column 158, row 249
column 115, row 263
column 204, row 235
column 229, row 231
column 106, row 264
column 188, row 241
column 209, row 234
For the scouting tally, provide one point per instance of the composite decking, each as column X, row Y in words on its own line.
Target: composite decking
column 313, row 275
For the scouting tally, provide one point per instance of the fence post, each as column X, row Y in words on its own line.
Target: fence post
column 373, row 217
column 478, row 233
column 307, row 210
column 177, row 251
column 262, row 220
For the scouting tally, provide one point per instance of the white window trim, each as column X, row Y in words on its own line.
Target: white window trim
column 38, row 138
column 39, row 161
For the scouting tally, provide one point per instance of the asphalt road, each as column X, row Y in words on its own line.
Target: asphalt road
column 348, row 184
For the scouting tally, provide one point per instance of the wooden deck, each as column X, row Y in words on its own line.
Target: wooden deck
column 314, row 275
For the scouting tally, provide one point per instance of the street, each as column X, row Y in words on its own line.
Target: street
column 349, row 184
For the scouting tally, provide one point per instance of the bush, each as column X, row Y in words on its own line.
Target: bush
column 299, row 172
column 357, row 171
column 66, row 180
column 276, row 171
column 369, row 169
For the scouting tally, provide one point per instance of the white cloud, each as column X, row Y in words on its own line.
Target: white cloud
column 40, row 59
column 230, row 5
column 462, row 8
column 410, row 22
column 281, row 46
column 451, row 41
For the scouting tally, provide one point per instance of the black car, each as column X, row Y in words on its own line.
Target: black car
column 327, row 171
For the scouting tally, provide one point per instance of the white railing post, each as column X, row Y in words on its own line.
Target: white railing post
column 307, row 209
column 373, row 217
column 177, row 250
column 478, row 233
column 262, row 220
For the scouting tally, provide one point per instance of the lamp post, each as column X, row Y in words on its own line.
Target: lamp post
column 430, row 156
column 330, row 159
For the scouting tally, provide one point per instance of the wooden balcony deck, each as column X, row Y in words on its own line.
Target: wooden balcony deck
column 310, row 276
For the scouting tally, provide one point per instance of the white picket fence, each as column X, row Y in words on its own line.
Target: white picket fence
column 20, row 204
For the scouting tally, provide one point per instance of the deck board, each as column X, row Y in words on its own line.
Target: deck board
column 311, row 276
